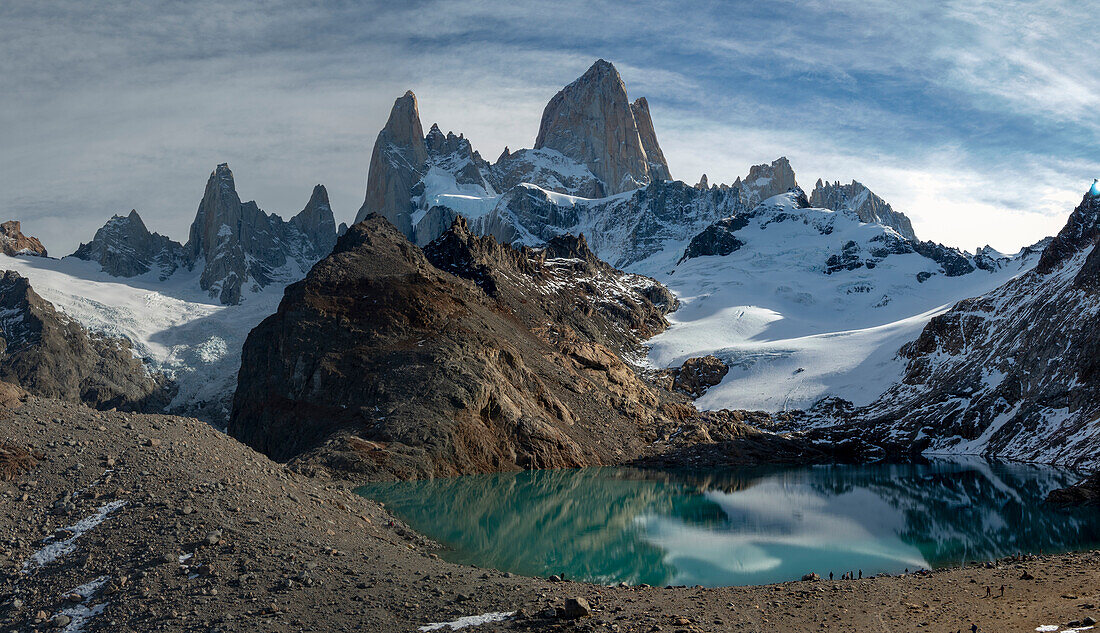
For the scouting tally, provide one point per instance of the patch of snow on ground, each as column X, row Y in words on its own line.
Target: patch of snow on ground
column 81, row 613
column 470, row 620
column 56, row 549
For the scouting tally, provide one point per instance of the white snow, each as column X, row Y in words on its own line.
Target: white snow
column 81, row 613
column 56, row 549
column 470, row 620
column 174, row 325
column 791, row 333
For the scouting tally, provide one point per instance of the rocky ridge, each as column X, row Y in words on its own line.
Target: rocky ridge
column 858, row 199
column 594, row 123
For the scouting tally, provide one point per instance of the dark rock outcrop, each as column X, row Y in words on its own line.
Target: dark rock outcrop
column 50, row 355
column 387, row 361
column 13, row 242
column 594, row 123
column 1084, row 493
column 125, row 248
column 238, row 243
column 719, row 238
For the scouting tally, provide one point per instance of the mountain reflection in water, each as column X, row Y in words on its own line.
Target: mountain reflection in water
column 755, row 525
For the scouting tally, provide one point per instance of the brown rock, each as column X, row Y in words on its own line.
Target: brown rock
column 13, row 242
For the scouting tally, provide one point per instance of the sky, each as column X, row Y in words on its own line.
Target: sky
column 980, row 120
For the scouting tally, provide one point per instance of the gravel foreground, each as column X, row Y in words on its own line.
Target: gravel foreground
column 159, row 523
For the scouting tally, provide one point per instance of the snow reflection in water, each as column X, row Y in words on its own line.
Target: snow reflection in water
column 748, row 526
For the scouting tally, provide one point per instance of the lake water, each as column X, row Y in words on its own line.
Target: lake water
column 749, row 526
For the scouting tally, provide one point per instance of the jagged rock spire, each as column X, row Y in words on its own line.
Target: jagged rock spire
column 593, row 122
column 396, row 164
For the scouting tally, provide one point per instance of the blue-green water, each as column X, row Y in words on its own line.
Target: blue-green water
column 749, row 526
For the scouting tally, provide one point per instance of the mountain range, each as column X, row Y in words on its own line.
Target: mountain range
column 572, row 304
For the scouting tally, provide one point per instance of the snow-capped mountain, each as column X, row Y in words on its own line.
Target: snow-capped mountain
column 803, row 303
column 124, row 247
column 592, row 142
column 1012, row 372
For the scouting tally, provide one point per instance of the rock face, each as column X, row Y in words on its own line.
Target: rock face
column 50, row 355
column 594, row 123
column 1012, row 373
column 1085, row 492
column 397, row 163
column 470, row 356
column 13, row 242
column 857, row 199
column 125, row 248
column 238, row 243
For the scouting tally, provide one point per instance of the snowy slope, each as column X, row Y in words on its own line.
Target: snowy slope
column 173, row 324
column 792, row 333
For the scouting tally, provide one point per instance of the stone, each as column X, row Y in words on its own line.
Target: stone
column 60, row 621
column 697, row 375
column 576, row 608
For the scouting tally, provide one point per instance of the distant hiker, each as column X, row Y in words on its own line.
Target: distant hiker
column 988, row 592
column 861, row 574
column 907, row 570
column 973, row 628
column 830, row 575
column 1002, row 591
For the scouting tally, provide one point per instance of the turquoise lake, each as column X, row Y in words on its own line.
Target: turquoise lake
column 749, row 526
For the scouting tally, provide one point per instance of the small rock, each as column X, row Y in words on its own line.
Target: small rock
column 153, row 442
column 576, row 608
column 187, row 509
column 60, row 621
column 1088, row 621
column 1026, row 576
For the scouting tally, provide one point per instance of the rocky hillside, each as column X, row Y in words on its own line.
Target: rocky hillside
column 466, row 357
column 49, row 354
column 124, row 247
column 13, row 242
column 1011, row 373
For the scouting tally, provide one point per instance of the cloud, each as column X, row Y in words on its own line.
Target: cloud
column 972, row 117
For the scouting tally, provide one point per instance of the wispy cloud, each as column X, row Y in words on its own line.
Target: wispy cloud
column 975, row 118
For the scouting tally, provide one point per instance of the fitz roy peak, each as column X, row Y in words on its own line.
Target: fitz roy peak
column 592, row 142
column 594, row 123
